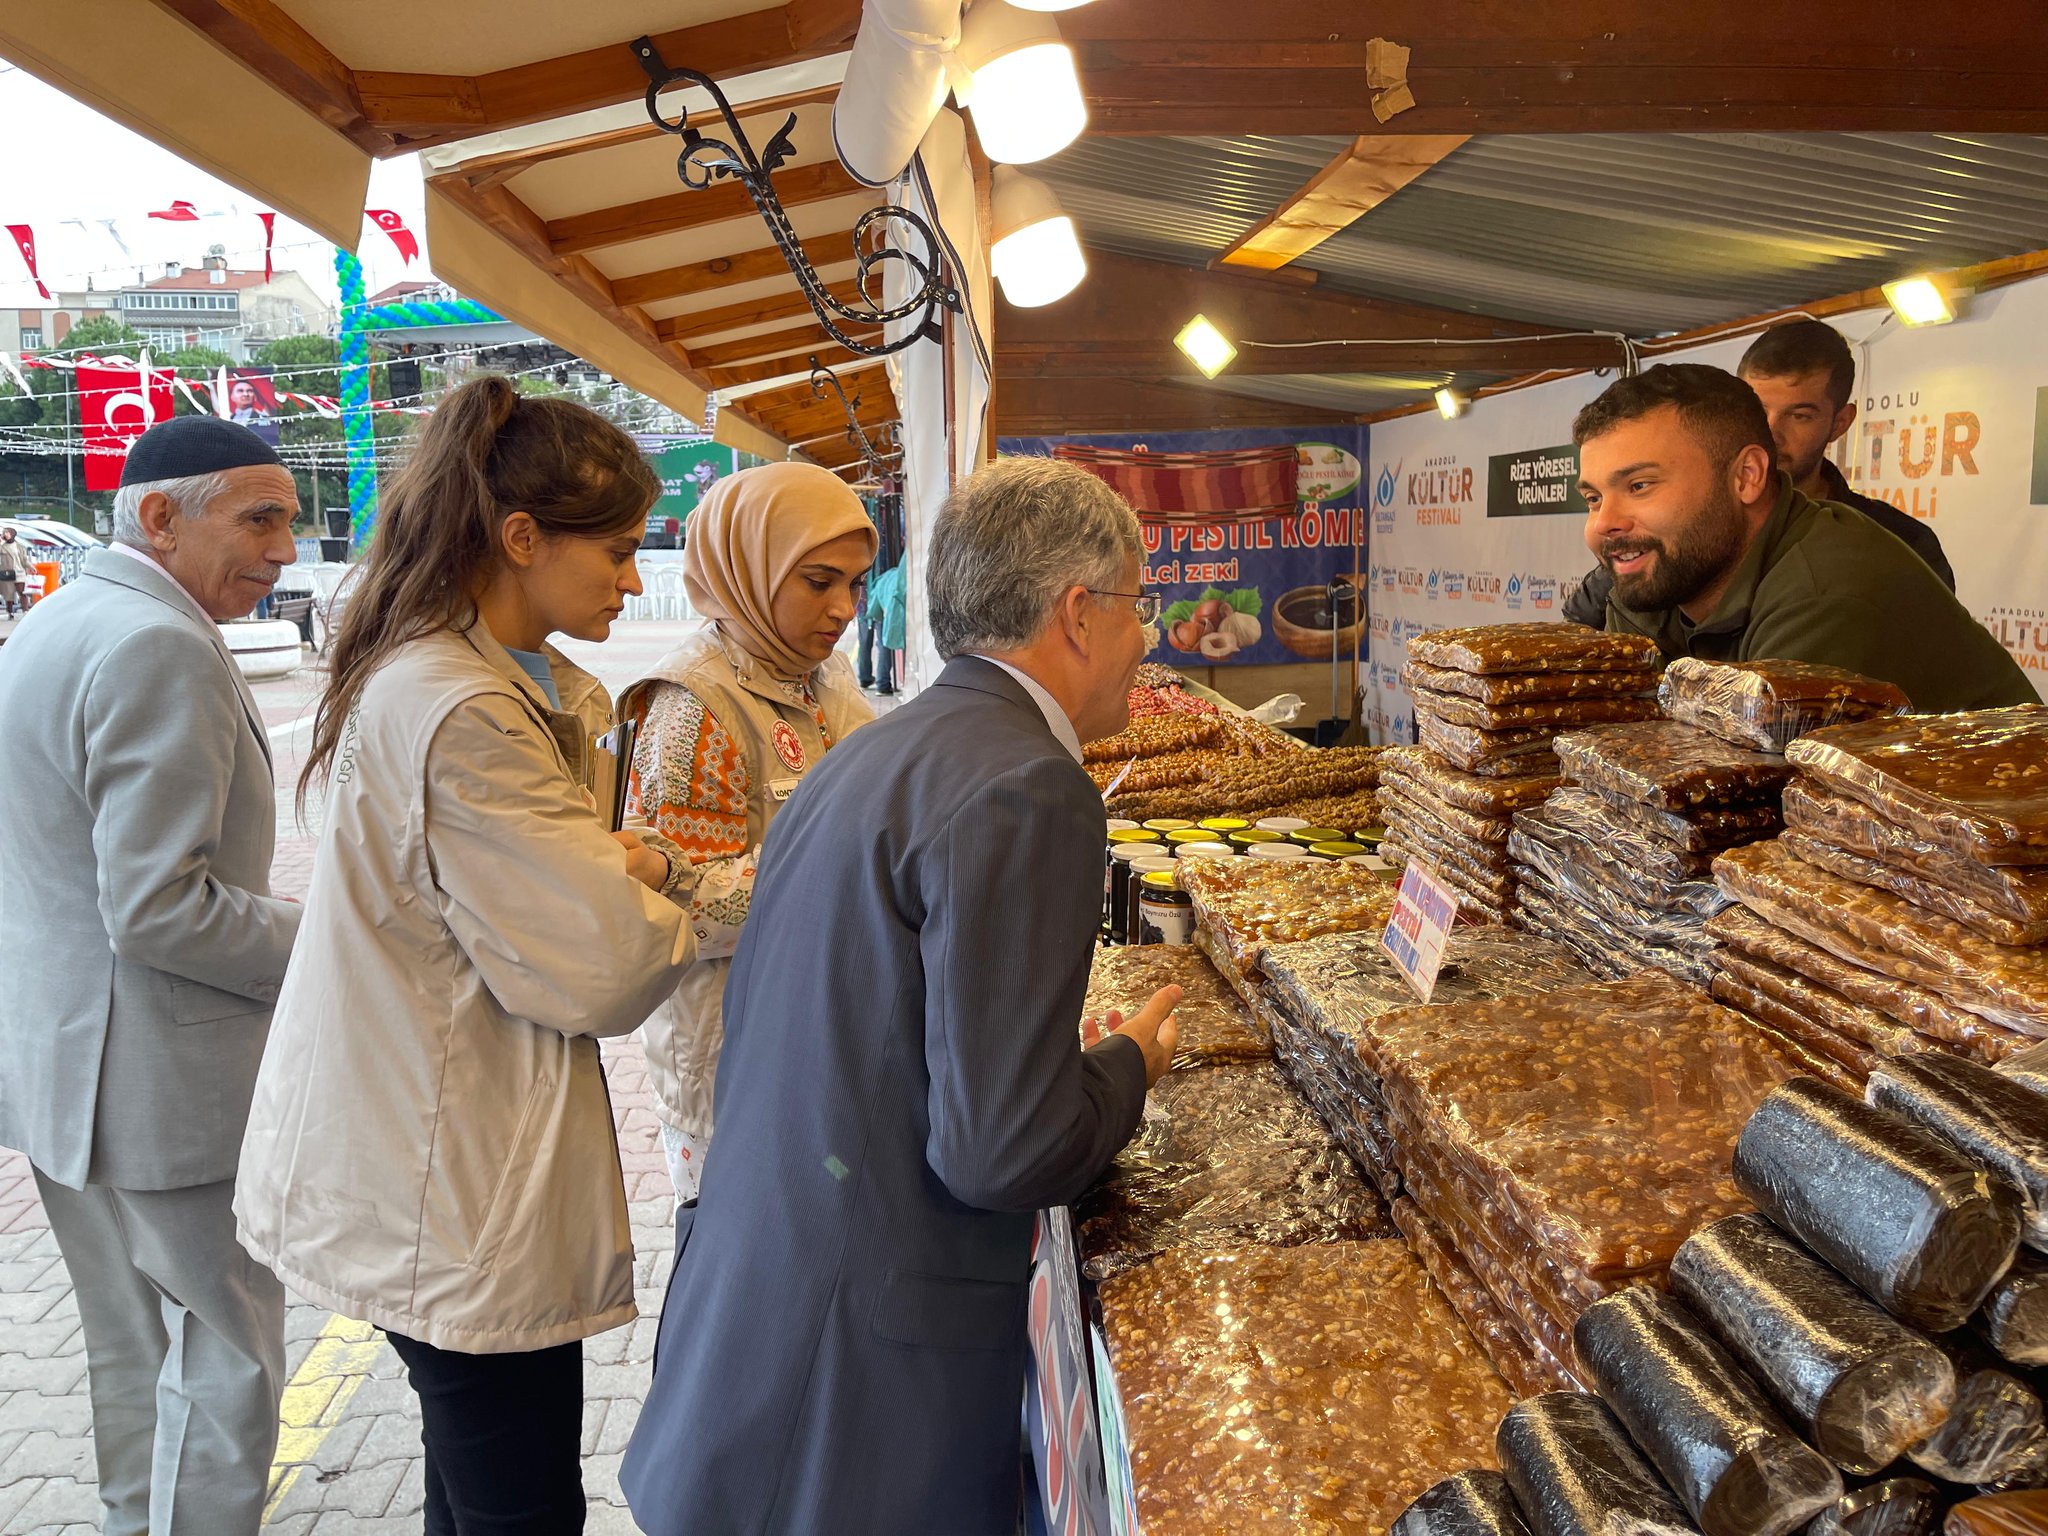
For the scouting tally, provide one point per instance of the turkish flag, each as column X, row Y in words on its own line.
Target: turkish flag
column 180, row 212
column 116, row 406
column 25, row 242
column 394, row 226
column 269, row 234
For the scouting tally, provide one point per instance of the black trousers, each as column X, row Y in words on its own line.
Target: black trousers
column 503, row 1437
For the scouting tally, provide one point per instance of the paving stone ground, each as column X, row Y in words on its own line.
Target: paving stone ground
column 349, row 1454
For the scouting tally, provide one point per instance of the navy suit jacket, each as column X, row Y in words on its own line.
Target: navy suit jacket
column 843, row 1345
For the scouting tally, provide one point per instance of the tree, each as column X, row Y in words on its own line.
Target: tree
column 103, row 333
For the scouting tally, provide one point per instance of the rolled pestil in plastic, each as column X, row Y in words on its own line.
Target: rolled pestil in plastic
column 1996, row 1429
column 1998, row 1124
column 1860, row 1385
column 1574, row 1471
column 1921, row 1229
column 2014, row 1317
column 1475, row 1503
column 1891, row 1506
column 1739, row 1469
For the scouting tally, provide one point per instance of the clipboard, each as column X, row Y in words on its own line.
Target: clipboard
column 611, row 767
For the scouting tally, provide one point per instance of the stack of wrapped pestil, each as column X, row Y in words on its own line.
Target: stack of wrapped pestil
column 1616, row 864
column 1905, row 907
column 1243, row 906
column 1488, row 701
column 1855, row 1357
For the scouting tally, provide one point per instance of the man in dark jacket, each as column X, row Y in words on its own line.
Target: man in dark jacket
column 902, row 1084
column 1715, row 553
column 1804, row 374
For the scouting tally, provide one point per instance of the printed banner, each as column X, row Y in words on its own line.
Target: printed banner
column 688, row 467
column 1246, row 588
column 1539, row 482
column 116, row 406
column 252, row 400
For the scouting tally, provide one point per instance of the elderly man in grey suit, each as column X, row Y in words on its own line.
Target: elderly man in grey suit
column 903, row 1083
column 128, row 1051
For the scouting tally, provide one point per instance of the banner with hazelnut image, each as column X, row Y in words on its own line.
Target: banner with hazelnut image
column 1240, row 585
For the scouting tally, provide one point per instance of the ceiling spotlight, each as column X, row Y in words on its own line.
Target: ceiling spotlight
column 1207, row 348
column 1036, row 253
column 1450, row 404
column 1019, row 81
column 1919, row 301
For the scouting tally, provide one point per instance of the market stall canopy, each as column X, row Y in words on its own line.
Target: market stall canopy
column 550, row 196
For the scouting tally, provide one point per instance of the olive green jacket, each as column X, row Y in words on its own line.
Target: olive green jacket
column 1823, row 583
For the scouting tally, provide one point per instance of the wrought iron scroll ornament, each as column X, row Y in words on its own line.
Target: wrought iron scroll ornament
column 880, row 461
column 705, row 159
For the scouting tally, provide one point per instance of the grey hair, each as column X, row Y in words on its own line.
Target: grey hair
column 190, row 494
column 1011, row 540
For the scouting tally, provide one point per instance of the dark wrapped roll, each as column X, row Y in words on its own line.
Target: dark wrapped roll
column 1861, row 1387
column 2014, row 1318
column 1738, row 1468
column 1891, row 1506
column 1997, row 1123
column 1475, row 1503
column 1995, row 1430
column 2028, row 1067
column 1574, row 1472
column 1920, row 1228
column 2000, row 1514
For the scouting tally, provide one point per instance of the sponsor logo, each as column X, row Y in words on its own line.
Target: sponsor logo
column 787, row 747
column 1440, row 491
column 1542, row 592
column 1387, row 577
column 1909, row 450
column 2024, row 632
column 1382, row 627
column 1454, row 586
column 1484, row 587
column 1383, row 488
column 1411, row 581
column 1433, row 585
column 1512, row 593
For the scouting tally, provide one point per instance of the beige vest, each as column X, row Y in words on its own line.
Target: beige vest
column 684, row 1034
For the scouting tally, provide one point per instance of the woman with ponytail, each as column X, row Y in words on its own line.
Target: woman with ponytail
column 431, row 1144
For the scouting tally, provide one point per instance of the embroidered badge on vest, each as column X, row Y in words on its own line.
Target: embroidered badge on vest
column 787, row 747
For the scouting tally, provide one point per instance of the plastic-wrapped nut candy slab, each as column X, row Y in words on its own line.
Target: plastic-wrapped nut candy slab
column 1862, row 1386
column 1494, row 648
column 1214, row 1023
column 1919, row 1227
column 1226, row 1156
column 1879, row 1033
column 2005, row 983
column 1821, row 1052
column 1601, row 1116
column 1957, row 1028
column 1497, row 1333
column 2014, row 891
column 1488, row 754
column 1575, row 1473
column 1738, row 1468
column 1668, row 766
column 1699, row 829
column 1974, row 783
column 1921, row 892
column 1425, row 774
column 1291, row 1390
column 1476, row 1503
column 1765, row 704
column 1456, row 709
column 1528, row 687
column 1246, row 904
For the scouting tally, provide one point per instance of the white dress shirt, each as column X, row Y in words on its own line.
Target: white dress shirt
column 1062, row 727
column 164, row 571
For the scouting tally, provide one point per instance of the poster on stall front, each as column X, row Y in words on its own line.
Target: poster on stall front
column 688, row 467
column 1242, row 584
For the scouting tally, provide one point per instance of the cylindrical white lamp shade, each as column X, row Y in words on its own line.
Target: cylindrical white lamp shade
column 1036, row 252
column 1049, row 5
column 1021, row 84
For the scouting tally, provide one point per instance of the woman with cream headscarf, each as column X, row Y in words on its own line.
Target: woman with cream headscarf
column 729, row 723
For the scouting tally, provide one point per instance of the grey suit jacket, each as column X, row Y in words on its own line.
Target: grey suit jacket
column 902, row 1086
column 144, row 947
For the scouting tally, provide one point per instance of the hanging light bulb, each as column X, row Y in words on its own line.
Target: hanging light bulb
column 1036, row 255
column 1019, row 82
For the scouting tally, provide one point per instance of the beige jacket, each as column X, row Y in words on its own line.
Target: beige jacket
column 684, row 1034
column 431, row 1145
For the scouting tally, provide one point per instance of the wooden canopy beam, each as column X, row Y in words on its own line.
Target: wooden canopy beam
column 1020, row 359
column 1054, row 407
column 686, row 209
column 795, row 341
column 736, row 375
column 730, row 271
column 1586, row 66
column 264, row 37
column 688, row 328
column 1364, row 175
column 420, row 110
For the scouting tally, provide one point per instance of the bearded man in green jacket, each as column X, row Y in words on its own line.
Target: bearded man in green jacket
column 1716, row 554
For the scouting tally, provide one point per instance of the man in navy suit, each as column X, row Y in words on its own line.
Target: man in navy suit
column 902, row 1084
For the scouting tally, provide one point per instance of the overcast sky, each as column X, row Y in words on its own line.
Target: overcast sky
column 70, row 163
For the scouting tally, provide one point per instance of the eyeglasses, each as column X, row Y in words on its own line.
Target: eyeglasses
column 1144, row 603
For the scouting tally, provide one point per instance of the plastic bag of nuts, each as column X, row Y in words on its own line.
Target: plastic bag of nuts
column 1214, row 1023
column 1669, row 766
column 1766, row 704
column 1523, row 687
column 1491, row 648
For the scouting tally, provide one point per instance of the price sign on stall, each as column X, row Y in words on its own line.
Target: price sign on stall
column 1421, row 922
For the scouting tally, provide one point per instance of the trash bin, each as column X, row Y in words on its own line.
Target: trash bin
column 52, row 574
